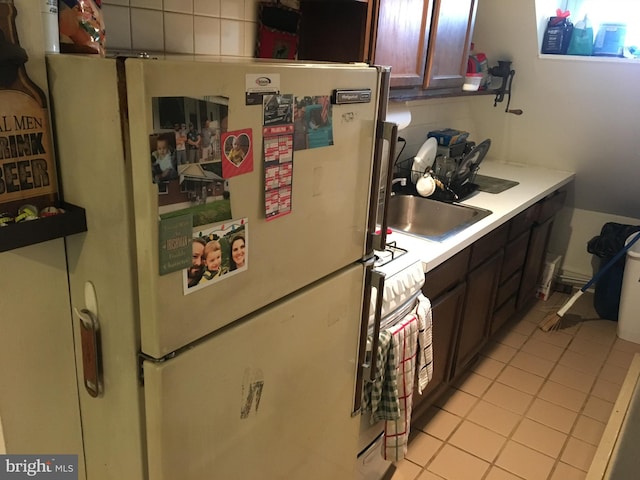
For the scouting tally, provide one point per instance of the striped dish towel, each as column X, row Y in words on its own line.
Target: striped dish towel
column 380, row 397
column 425, row 347
column 404, row 341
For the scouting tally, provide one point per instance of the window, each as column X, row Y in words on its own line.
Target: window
column 599, row 12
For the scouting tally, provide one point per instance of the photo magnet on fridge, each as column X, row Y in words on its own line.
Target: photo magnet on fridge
column 237, row 153
column 217, row 253
column 186, row 158
column 313, row 122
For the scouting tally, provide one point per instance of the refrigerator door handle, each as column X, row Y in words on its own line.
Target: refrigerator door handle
column 91, row 351
column 381, row 184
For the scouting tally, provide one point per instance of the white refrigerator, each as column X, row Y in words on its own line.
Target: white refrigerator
column 255, row 374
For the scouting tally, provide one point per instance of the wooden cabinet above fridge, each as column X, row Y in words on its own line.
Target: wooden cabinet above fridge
column 426, row 42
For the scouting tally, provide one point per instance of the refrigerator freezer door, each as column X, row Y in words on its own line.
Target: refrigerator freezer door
column 325, row 231
column 269, row 397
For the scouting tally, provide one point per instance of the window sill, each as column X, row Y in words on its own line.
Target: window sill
column 583, row 58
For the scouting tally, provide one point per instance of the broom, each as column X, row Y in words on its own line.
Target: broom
column 553, row 320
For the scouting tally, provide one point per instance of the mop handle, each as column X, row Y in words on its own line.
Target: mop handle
column 615, row 258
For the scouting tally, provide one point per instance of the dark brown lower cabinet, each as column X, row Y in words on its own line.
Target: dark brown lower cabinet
column 479, row 289
column 447, row 311
column 482, row 284
column 534, row 263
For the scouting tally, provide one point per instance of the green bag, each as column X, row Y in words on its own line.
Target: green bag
column 581, row 42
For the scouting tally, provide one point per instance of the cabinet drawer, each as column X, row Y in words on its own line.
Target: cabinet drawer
column 514, row 255
column 508, row 288
column 488, row 245
column 447, row 275
column 551, row 205
column 523, row 221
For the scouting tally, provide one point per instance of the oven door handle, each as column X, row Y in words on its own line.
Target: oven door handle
column 366, row 369
column 378, row 279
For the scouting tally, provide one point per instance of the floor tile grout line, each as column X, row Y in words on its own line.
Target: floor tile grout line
column 569, row 435
column 455, row 387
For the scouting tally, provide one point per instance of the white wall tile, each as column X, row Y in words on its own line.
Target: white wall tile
column 154, row 4
column 178, row 33
column 147, row 31
column 207, row 35
column 213, row 27
column 179, row 6
column 251, row 10
column 232, row 37
column 206, row 7
column 119, row 27
column 123, row 3
column 250, row 32
column 232, row 9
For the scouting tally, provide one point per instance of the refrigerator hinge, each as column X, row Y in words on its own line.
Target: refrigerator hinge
column 143, row 357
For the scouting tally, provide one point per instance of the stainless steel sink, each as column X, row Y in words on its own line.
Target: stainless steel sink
column 431, row 219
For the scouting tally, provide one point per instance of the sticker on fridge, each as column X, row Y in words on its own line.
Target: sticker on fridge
column 277, row 136
column 237, row 152
column 186, row 158
column 218, row 252
column 174, row 248
column 313, row 122
column 258, row 85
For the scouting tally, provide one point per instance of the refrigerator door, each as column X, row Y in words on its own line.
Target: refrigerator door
column 268, row 397
column 325, row 231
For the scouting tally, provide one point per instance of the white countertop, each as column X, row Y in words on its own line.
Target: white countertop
column 534, row 184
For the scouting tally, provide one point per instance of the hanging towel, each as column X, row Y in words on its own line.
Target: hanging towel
column 404, row 340
column 380, row 397
column 425, row 348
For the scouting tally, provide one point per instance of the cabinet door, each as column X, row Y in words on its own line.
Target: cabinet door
column 534, row 263
column 447, row 311
column 478, row 309
column 401, row 39
column 449, row 43
column 335, row 31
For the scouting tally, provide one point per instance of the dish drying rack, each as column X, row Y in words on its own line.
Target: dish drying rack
column 455, row 191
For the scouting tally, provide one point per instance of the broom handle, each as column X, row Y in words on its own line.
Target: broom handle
column 615, row 258
column 569, row 304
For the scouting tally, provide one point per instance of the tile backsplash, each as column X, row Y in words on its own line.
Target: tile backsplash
column 202, row 27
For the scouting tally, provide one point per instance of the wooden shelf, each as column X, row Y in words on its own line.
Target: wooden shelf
column 418, row 94
column 22, row 234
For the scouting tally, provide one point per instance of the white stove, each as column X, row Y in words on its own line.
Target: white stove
column 403, row 278
column 400, row 276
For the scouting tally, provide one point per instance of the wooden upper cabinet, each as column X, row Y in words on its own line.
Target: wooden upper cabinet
column 336, row 31
column 401, row 39
column 425, row 42
column 449, row 43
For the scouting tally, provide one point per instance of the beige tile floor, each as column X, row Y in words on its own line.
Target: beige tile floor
column 532, row 407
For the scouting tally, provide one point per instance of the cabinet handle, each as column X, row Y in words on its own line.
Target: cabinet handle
column 91, row 351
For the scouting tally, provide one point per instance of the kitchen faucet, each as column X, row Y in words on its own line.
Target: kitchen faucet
column 401, row 180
